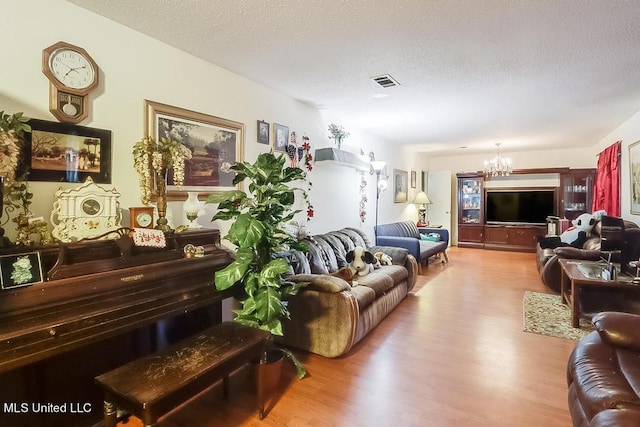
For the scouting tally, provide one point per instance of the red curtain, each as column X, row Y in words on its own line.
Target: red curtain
column 606, row 191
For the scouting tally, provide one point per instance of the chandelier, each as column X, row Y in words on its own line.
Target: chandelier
column 498, row 166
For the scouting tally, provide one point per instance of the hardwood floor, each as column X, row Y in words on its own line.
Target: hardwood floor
column 453, row 353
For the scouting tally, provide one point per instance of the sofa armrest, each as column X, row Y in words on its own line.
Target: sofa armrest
column 398, row 255
column 569, row 252
column 321, row 282
column 409, row 243
column 443, row 232
column 618, row 329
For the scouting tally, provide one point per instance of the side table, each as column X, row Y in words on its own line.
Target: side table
column 573, row 280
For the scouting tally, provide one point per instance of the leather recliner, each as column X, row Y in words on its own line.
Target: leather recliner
column 547, row 259
column 603, row 373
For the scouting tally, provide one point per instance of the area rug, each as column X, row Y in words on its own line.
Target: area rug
column 545, row 314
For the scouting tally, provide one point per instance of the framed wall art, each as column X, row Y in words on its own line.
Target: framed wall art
column 634, row 176
column 400, row 186
column 20, row 270
column 413, row 179
column 263, row 132
column 280, row 137
column 64, row 152
column 216, row 144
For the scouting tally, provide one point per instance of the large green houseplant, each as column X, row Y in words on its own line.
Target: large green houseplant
column 257, row 231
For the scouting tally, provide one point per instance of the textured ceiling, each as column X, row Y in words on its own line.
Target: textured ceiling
column 529, row 74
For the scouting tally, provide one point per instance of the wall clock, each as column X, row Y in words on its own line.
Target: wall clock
column 85, row 211
column 141, row 217
column 72, row 74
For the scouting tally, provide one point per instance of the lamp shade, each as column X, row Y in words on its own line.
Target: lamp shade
column 378, row 165
column 421, row 199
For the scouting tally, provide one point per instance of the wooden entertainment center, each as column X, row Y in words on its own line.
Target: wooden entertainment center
column 573, row 196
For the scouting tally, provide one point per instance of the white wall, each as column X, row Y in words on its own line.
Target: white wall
column 135, row 67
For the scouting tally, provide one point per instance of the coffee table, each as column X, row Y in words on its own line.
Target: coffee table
column 577, row 274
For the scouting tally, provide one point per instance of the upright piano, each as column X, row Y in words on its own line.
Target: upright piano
column 103, row 303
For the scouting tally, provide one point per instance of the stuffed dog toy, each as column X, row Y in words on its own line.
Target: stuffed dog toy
column 383, row 259
column 360, row 261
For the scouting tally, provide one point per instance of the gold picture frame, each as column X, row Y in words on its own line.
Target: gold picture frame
column 216, row 143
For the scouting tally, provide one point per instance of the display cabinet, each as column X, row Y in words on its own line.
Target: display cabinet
column 576, row 192
column 470, row 210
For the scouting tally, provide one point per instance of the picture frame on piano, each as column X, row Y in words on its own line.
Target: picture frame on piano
column 216, row 144
column 18, row 270
column 63, row 152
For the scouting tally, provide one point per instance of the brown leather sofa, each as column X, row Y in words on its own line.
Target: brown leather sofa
column 603, row 373
column 330, row 315
column 547, row 258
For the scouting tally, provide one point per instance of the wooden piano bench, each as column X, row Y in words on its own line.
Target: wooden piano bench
column 153, row 385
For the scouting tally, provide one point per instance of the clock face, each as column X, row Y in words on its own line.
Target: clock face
column 72, row 68
column 143, row 219
column 91, row 207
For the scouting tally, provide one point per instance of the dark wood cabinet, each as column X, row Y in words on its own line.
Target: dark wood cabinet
column 573, row 196
column 576, row 192
column 513, row 237
column 471, row 236
column 470, row 210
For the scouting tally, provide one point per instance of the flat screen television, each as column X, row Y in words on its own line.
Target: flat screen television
column 530, row 206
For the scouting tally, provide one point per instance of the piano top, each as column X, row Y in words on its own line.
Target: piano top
column 102, row 292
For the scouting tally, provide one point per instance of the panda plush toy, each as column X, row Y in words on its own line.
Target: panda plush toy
column 576, row 235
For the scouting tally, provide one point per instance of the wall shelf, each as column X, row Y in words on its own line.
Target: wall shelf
column 342, row 158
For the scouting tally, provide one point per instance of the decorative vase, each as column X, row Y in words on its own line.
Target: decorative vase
column 192, row 208
column 339, row 141
column 161, row 196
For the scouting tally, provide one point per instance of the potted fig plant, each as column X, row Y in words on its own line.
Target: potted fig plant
column 257, row 231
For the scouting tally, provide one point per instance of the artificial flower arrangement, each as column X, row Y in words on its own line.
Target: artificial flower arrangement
column 337, row 133
column 153, row 158
column 15, row 193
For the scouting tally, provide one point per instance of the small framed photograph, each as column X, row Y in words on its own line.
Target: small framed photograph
column 413, row 179
column 263, row 132
column 400, row 186
column 20, row 270
column 280, row 137
column 62, row 152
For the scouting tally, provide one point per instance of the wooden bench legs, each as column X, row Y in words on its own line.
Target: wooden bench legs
column 110, row 413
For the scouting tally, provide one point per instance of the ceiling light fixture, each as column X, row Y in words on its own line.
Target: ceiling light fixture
column 498, row 166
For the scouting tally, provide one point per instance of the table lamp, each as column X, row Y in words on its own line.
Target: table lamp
column 421, row 199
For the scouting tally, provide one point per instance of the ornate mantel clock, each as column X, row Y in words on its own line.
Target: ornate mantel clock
column 72, row 74
column 86, row 211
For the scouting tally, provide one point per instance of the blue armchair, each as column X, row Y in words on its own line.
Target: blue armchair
column 406, row 235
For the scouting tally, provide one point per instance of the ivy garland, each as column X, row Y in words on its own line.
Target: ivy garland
column 308, row 165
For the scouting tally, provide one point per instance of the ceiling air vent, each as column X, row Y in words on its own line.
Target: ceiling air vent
column 386, row 81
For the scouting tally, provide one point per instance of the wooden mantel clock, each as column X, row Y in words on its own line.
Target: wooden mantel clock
column 72, row 74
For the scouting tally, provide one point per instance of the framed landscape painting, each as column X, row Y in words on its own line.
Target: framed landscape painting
column 216, row 144
column 62, row 152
